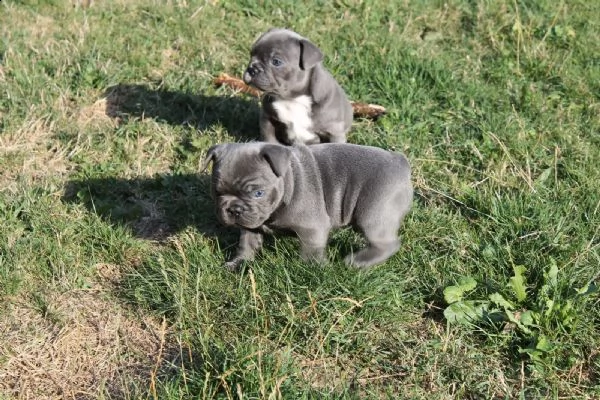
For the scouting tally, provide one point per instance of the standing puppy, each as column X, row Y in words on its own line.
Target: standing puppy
column 303, row 103
column 263, row 187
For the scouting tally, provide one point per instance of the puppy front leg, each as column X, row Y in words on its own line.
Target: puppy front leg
column 313, row 243
column 337, row 133
column 267, row 129
column 339, row 138
column 250, row 243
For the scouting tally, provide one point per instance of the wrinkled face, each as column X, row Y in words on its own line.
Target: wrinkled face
column 246, row 190
column 278, row 64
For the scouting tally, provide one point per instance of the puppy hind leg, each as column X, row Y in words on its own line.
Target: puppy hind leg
column 382, row 241
column 372, row 254
column 381, row 228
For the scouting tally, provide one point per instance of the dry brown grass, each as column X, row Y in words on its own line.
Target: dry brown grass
column 31, row 153
column 82, row 345
column 95, row 114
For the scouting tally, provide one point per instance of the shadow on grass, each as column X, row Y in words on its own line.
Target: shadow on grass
column 239, row 116
column 153, row 208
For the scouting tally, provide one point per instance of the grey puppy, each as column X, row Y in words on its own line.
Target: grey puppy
column 302, row 103
column 263, row 187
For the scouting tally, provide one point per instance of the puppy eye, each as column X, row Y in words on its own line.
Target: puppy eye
column 277, row 62
column 259, row 193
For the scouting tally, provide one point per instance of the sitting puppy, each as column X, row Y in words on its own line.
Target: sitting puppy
column 308, row 190
column 302, row 102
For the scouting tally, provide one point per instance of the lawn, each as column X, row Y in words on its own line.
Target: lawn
column 111, row 278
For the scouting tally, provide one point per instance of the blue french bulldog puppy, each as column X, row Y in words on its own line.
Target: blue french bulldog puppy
column 303, row 103
column 263, row 188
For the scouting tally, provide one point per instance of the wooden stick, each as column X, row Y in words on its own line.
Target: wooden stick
column 236, row 84
column 361, row 110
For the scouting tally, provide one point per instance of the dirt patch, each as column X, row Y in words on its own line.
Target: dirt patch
column 79, row 344
column 95, row 115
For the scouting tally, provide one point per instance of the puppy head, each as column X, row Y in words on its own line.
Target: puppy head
column 247, row 181
column 281, row 61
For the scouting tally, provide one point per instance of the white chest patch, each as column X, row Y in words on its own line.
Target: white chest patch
column 295, row 113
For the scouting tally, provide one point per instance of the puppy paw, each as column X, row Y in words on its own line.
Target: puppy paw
column 365, row 259
column 233, row 265
column 313, row 255
column 372, row 255
column 357, row 262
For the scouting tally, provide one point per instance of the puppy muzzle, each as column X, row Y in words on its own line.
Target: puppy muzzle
column 234, row 212
column 230, row 212
column 250, row 73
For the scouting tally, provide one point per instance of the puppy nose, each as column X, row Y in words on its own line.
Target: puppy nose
column 235, row 210
column 252, row 70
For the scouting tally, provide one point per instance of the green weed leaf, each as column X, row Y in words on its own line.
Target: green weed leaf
column 549, row 308
column 455, row 293
column 528, row 318
column 518, row 284
column 544, row 344
column 587, row 290
column 498, row 299
column 551, row 276
column 512, row 317
column 466, row 312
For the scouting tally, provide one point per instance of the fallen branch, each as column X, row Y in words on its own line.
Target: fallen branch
column 236, row 84
column 361, row 110
column 364, row 110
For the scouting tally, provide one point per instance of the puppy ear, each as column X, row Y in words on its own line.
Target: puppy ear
column 278, row 157
column 310, row 54
column 211, row 155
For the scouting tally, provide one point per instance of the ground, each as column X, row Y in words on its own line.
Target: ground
column 111, row 278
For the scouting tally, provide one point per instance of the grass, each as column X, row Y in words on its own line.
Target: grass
column 111, row 283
